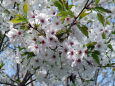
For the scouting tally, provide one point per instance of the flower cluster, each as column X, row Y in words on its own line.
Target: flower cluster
column 56, row 44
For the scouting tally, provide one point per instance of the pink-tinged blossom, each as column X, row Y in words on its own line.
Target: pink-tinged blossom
column 68, row 20
column 43, row 19
column 33, row 48
column 71, row 55
column 57, row 23
column 13, row 34
column 101, row 46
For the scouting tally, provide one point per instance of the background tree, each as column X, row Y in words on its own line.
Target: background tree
column 57, row 42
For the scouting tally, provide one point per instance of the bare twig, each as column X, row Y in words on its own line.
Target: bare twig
column 18, row 70
column 29, row 77
column 31, row 82
column 1, row 43
column 75, row 18
column 96, row 76
column 107, row 66
column 25, row 77
column 6, row 83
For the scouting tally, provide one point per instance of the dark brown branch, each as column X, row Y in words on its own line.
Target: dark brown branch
column 29, row 77
column 41, row 31
column 1, row 43
column 6, row 83
column 75, row 18
column 106, row 66
column 96, row 76
column 18, row 70
column 25, row 77
column 5, row 9
column 80, row 77
column 67, row 82
column 31, row 82
column 10, row 78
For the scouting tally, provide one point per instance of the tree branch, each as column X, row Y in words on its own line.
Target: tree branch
column 96, row 76
column 75, row 18
column 31, row 82
column 1, row 43
column 25, row 77
column 6, row 83
column 18, row 70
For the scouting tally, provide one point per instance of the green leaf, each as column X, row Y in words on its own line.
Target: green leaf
column 108, row 41
column 113, row 32
column 101, row 19
column 1, row 65
column 66, row 5
column 83, row 14
column 110, row 47
column 70, row 6
column 66, row 13
column 96, row 52
column 63, row 13
column 91, row 44
column 60, row 33
column 83, row 29
column 26, row 8
column 107, row 22
column 63, row 18
column 21, row 48
column 113, row 69
column 97, row 1
column 24, row 26
column 95, row 56
column 101, row 9
column 59, row 5
column 103, row 35
column 19, row 19
column 28, row 54
column 19, row 15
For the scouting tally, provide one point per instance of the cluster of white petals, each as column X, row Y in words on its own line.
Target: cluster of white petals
column 45, row 47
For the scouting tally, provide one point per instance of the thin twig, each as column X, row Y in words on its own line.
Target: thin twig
column 6, row 83
column 31, row 82
column 96, row 76
column 2, row 40
column 18, row 70
column 25, row 77
column 75, row 18
column 106, row 66
column 29, row 77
